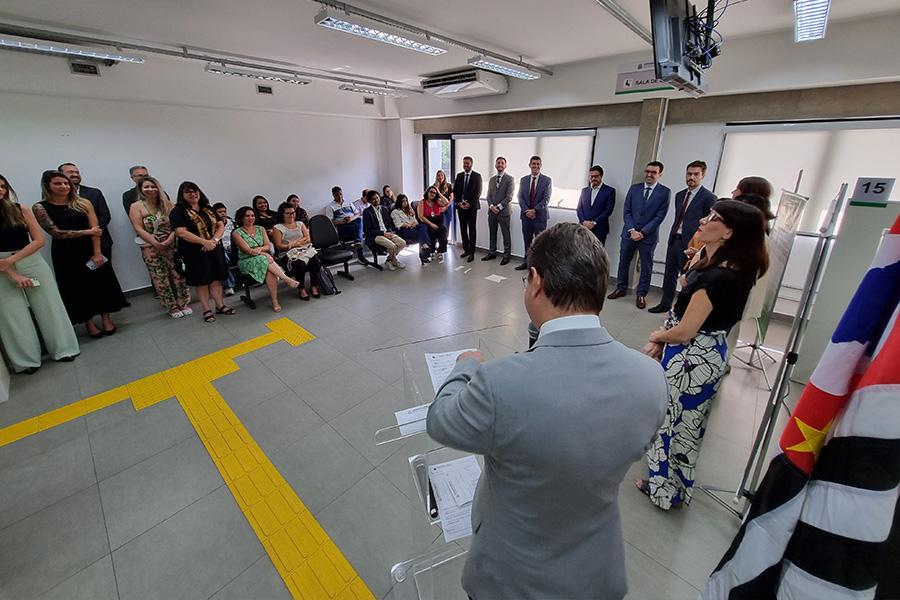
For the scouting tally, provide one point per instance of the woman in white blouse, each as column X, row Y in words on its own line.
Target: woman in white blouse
column 294, row 250
column 409, row 227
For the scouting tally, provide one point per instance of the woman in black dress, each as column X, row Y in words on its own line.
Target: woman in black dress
column 200, row 247
column 265, row 218
column 692, row 344
column 87, row 282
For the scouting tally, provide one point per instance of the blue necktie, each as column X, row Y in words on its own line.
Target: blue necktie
column 646, row 193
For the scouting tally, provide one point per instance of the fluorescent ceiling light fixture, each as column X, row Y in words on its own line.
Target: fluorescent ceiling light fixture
column 810, row 19
column 489, row 64
column 340, row 22
column 378, row 91
column 64, row 49
column 261, row 75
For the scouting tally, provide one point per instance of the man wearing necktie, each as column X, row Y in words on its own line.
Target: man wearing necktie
column 646, row 205
column 533, row 198
column 691, row 205
column 467, row 197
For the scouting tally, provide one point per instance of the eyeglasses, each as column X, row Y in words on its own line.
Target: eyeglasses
column 191, row 192
column 714, row 216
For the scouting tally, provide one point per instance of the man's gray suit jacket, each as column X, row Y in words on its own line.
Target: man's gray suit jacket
column 558, row 426
column 501, row 195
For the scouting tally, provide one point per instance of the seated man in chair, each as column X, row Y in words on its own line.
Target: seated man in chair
column 378, row 229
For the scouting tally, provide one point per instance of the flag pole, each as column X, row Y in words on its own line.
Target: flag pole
column 747, row 486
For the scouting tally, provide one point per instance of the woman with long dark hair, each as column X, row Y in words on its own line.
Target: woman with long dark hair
column 265, row 218
column 692, row 344
column 87, row 282
column 27, row 288
column 409, row 228
column 429, row 211
column 150, row 218
column 199, row 233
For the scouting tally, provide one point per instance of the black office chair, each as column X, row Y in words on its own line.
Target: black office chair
column 244, row 283
column 330, row 248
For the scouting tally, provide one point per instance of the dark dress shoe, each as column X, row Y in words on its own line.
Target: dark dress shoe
column 659, row 308
column 504, row 261
column 29, row 371
column 490, row 256
column 616, row 294
column 522, row 267
column 640, row 302
column 471, row 258
column 464, row 254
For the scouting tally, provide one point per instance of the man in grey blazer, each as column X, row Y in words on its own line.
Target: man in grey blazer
column 499, row 195
column 558, row 426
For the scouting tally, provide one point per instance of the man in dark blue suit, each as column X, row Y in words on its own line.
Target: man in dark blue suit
column 533, row 197
column 691, row 205
column 596, row 204
column 646, row 205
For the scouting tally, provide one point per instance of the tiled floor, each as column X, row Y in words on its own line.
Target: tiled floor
column 120, row 504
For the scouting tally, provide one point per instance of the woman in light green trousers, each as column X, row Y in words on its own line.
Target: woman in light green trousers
column 27, row 281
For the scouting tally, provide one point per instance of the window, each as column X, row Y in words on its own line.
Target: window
column 565, row 156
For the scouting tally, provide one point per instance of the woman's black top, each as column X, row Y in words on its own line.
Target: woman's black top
column 13, row 237
column 727, row 290
column 266, row 220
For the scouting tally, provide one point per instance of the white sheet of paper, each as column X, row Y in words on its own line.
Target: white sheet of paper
column 454, row 484
column 412, row 420
column 495, row 278
column 467, row 270
column 460, row 268
column 440, row 364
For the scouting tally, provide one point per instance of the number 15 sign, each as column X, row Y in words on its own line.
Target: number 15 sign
column 872, row 191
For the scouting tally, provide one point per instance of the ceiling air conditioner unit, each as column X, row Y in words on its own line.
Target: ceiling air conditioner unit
column 466, row 83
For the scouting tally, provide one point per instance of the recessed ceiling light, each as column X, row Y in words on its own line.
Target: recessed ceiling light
column 810, row 19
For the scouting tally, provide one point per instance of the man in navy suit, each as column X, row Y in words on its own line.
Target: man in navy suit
column 596, row 204
column 691, row 205
column 533, row 197
column 646, row 205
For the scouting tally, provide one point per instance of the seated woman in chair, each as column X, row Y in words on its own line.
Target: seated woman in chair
column 254, row 259
column 408, row 226
column 294, row 250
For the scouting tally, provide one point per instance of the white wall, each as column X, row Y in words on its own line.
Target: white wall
column 231, row 154
column 853, row 52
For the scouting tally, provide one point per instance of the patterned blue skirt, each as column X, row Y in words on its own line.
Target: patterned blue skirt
column 693, row 372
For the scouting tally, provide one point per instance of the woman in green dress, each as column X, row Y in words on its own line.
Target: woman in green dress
column 254, row 260
column 27, row 287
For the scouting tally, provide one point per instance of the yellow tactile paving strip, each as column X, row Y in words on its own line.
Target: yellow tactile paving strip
column 310, row 564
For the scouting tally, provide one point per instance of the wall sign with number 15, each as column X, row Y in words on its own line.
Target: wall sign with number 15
column 872, row 191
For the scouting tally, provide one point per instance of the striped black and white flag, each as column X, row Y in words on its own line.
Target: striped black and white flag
column 823, row 524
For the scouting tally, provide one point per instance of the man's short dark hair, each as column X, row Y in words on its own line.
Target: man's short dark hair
column 698, row 164
column 535, row 157
column 371, row 194
column 218, row 205
column 597, row 168
column 573, row 266
column 135, row 168
column 656, row 163
column 468, row 158
column 60, row 167
column 335, row 190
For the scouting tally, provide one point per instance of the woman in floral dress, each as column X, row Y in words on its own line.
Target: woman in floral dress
column 692, row 344
column 150, row 218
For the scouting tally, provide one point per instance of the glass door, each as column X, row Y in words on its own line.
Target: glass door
column 439, row 156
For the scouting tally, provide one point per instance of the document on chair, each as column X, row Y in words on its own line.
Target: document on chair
column 454, row 484
column 412, row 420
column 440, row 365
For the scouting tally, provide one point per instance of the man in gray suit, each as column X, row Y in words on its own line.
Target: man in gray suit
column 499, row 195
column 558, row 426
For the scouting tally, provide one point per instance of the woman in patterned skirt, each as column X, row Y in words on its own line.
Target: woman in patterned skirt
column 150, row 218
column 692, row 344
column 253, row 257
